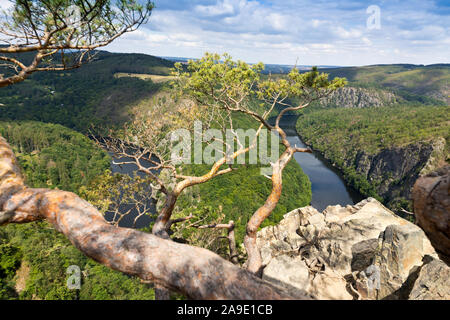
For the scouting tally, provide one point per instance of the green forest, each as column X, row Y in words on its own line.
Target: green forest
column 340, row 133
column 53, row 156
column 35, row 119
column 34, row 257
column 85, row 99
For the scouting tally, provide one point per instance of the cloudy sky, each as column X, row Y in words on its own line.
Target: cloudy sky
column 312, row 32
column 309, row 32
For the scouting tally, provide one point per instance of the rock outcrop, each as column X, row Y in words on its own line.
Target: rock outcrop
column 431, row 195
column 430, row 285
column 356, row 252
column 350, row 97
column 394, row 171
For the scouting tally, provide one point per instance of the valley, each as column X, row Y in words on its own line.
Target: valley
column 374, row 137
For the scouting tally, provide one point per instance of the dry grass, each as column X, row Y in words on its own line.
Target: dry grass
column 22, row 275
column 153, row 77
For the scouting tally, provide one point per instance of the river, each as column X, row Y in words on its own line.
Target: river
column 327, row 185
column 131, row 169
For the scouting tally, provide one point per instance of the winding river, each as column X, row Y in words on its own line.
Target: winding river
column 130, row 169
column 328, row 186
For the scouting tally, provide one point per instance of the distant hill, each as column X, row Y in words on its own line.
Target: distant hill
column 93, row 94
column 130, row 63
column 407, row 80
column 429, row 84
column 103, row 91
column 269, row 68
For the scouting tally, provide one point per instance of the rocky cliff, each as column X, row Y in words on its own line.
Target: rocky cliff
column 358, row 252
column 394, row 171
column 350, row 97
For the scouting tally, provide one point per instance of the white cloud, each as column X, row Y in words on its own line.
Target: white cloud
column 5, row 4
column 220, row 8
column 280, row 31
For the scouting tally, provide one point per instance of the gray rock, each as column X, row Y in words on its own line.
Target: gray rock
column 433, row 282
column 400, row 254
column 395, row 170
column 363, row 254
column 350, row 97
column 363, row 251
column 432, row 209
column 288, row 272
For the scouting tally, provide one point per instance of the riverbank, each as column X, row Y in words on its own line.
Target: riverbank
column 328, row 186
column 381, row 152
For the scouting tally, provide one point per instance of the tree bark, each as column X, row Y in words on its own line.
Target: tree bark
column 254, row 263
column 162, row 223
column 232, row 243
column 194, row 272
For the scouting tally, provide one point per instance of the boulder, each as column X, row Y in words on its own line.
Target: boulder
column 399, row 255
column 329, row 285
column 431, row 196
column 288, row 272
column 432, row 282
column 363, row 251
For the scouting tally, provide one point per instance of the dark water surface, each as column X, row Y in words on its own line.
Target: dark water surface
column 327, row 185
column 131, row 169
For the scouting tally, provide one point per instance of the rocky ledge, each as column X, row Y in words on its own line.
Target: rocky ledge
column 394, row 171
column 363, row 251
column 351, row 97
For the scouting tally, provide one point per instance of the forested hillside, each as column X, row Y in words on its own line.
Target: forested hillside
column 53, row 156
column 414, row 83
column 34, row 257
column 85, row 98
column 380, row 149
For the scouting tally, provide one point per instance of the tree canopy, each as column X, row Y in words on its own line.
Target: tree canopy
column 62, row 34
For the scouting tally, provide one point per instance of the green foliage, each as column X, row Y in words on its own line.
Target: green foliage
column 340, row 134
column 44, row 253
column 48, row 254
column 10, row 257
column 102, row 283
column 217, row 80
column 93, row 21
column 53, row 156
column 87, row 98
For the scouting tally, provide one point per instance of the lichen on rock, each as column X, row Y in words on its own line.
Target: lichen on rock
column 363, row 251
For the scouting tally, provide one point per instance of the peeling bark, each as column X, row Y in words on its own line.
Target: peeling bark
column 254, row 256
column 254, row 263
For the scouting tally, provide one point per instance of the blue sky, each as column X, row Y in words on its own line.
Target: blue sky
column 311, row 32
